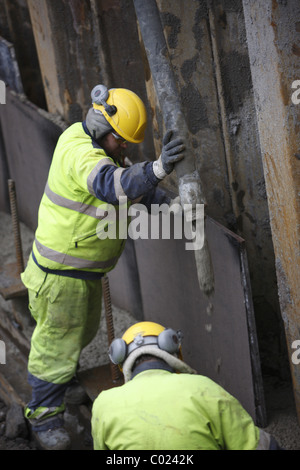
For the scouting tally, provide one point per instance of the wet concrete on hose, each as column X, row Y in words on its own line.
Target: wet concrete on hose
column 282, row 419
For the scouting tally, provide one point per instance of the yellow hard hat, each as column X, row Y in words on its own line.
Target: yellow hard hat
column 143, row 334
column 128, row 118
column 144, row 328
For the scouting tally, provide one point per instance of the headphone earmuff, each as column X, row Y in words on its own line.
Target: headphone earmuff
column 168, row 340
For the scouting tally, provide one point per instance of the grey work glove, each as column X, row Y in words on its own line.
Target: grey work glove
column 171, row 153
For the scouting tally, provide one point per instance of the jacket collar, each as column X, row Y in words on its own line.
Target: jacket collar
column 94, row 142
column 151, row 364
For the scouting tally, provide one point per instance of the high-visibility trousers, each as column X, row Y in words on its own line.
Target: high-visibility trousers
column 67, row 313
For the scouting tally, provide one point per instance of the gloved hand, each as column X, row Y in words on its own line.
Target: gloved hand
column 171, row 153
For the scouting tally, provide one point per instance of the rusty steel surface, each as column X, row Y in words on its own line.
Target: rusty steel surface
column 273, row 34
column 242, row 148
column 32, row 149
column 16, row 225
column 115, row 371
column 11, row 285
column 97, row 379
column 78, row 45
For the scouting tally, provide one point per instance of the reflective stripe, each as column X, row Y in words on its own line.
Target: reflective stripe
column 73, row 205
column 72, row 261
column 74, row 273
column 264, row 440
column 42, row 411
column 94, row 172
column 117, row 183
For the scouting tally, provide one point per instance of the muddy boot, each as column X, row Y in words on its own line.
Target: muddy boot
column 47, row 428
column 53, row 439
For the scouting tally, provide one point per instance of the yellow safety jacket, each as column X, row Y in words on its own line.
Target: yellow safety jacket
column 86, row 197
column 160, row 410
column 67, row 237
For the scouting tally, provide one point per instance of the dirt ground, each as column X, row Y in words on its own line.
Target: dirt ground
column 282, row 419
column 18, row 443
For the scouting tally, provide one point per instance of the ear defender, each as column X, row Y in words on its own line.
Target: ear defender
column 168, row 340
column 117, row 351
column 99, row 96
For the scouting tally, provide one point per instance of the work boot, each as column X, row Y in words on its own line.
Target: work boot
column 47, row 427
column 53, row 439
column 75, row 394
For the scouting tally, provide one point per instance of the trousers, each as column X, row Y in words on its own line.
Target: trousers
column 67, row 312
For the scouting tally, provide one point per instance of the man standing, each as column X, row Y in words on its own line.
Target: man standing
column 68, row 259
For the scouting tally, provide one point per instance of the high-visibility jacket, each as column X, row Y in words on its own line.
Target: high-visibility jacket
column 161, row 410
column 83, row 183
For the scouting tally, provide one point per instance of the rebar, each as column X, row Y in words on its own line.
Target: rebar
column 15, row 224
column 115, row 372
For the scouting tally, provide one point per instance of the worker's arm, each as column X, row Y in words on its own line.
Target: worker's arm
column 233, row 428
column 139, row 181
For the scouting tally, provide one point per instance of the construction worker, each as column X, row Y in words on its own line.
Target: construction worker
column 68, row 259
column 164, row 404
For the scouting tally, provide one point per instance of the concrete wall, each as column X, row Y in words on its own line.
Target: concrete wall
column 209, row 51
